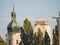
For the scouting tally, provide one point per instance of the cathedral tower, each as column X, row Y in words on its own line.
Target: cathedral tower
column 13, row 30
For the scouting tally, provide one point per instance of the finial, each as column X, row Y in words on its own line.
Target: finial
column 13, row 7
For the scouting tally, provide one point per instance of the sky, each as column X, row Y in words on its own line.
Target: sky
column 34, row 10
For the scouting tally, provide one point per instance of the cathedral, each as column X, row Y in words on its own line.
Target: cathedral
column 13, row 30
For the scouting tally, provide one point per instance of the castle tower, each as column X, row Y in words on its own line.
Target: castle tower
column 13, row 30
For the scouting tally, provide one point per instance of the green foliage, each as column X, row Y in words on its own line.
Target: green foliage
column 26, row 39
column 57, row 40
column 23, row 37
column 2, row 41
column 46, row 39
column 40, row 37
column 27, row 26
column 56, row 36
column 56, row 30
column 35, row 40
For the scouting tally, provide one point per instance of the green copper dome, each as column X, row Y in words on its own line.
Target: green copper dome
column 13, row 26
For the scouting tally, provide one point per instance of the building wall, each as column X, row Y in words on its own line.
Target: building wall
column 10, row 38
column 14, row 38
column 44, row 26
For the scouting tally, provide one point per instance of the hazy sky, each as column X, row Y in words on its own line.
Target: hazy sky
column 34, row 10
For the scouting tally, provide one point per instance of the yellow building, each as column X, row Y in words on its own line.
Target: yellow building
column 44, row 26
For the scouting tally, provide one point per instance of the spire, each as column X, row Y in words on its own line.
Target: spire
column 13, row 15
column 13, row 9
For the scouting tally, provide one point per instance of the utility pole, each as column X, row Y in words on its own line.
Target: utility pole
column 58, row 24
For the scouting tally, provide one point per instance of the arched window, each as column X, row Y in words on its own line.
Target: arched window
column 16, row 41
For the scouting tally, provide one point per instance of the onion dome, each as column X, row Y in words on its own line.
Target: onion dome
column 13, row 26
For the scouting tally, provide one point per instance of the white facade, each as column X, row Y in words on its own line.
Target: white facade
column 16, row 39
column 44, row 26
column 13, row 39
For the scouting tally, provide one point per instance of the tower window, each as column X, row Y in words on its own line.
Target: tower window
column 16, row 41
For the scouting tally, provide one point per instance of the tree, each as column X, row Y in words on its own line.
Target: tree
column 26, row 39
column 28, row 29
column 2, row 42
column 35, row 40
column 40, row 37
column 56, row 36
column 56, row 30
column 46, row 39
column 23, row 37
column 27, row 26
